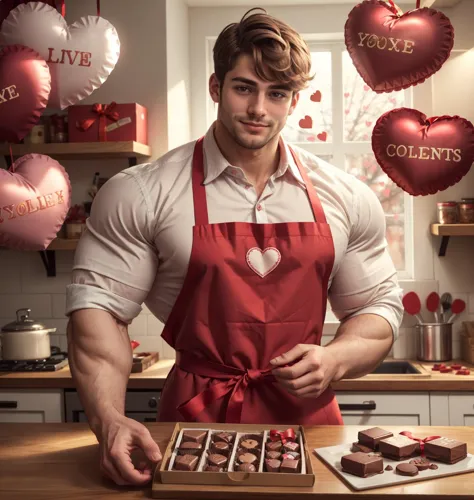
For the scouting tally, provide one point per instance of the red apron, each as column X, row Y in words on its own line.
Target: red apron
column 251, row 293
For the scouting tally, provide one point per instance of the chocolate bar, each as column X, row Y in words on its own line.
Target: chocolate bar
column 399, row 447
column 361, row 464
column 446, row 450
column 372, row 437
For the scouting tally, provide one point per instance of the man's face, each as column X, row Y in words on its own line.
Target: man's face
column 252, row 110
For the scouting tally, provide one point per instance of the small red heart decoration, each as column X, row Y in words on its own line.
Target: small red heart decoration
column 423, row 155
column 347, row 111
column 35, row 196
column 306, row 122
column 311, row 138
column 392, row 51
column 368, row 124
column 322, row 136
column 316, row 97
column 346, row 95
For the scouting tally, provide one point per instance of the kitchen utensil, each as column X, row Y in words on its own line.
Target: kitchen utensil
column 446, row 301
column 457, row 307
column 412, row 304
column 432, row 304
column 434, row 342
column 25, row 339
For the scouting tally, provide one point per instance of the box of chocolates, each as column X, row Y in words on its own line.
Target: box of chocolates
column 236, row 454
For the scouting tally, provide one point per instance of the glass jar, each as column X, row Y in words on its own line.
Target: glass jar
column 447, row 212
column 466, row 211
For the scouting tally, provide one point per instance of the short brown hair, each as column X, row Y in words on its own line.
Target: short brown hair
column 279, row 52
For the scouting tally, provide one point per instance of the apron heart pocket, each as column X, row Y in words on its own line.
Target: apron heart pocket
column 263, row 262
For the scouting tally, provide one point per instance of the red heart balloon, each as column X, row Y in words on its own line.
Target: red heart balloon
column 423, row 155
column 392, row 51
column 25, row 83
column 35, row 196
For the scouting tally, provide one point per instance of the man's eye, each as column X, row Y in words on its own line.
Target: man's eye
column 278, row 95
column 243, row 89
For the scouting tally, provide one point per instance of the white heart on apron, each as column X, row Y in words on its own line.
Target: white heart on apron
column 263, row 262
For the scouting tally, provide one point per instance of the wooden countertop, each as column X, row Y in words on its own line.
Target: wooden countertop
column 154, row 377
column 61, row 461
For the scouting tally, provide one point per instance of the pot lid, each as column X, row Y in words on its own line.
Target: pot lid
column 23, row 323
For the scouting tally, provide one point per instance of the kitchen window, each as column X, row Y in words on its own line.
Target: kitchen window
column 338, row 113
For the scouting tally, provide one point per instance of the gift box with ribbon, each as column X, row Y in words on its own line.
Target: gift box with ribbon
column 108, row 122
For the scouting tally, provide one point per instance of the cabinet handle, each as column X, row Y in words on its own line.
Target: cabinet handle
column 8, row 404
column 369, row 405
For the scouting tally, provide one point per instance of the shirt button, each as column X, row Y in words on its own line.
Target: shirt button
column 259, row 207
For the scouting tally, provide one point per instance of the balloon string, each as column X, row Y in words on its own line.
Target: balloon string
column 418, row 4
column 62, row 5
column 11, row 153
column 98, row 8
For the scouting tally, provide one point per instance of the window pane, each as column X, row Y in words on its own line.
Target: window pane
column 311, row 122
column 362, row 106
column 391, row 197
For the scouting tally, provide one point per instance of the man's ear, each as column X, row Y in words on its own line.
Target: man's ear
column 214, row 88
column 294, row 102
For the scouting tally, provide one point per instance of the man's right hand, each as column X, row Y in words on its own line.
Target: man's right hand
column 117, row 439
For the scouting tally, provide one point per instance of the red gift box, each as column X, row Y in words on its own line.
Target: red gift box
column 108, row 122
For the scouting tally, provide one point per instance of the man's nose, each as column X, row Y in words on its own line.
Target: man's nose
column 257, row 105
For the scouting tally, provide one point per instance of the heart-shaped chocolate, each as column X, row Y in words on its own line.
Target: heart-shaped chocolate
column 80, row 56
column 35, row 196
column 25, row 84
column 392, row 51
column 423, row 155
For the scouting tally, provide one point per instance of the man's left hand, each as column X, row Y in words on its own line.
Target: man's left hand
column 313, row 369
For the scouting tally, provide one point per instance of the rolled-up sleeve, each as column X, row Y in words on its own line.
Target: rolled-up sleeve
column 366, row 280
column 116, row 261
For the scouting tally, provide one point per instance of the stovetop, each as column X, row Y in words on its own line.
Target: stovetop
column 51, row 364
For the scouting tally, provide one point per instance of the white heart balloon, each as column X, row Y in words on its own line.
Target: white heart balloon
column 80, row 57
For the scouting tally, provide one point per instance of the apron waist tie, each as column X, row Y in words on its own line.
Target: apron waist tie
column 229, row 379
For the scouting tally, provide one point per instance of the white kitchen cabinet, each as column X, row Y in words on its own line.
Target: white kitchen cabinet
column 439, row 408
column 461, row 409
column 31, row 406
column 384, row 408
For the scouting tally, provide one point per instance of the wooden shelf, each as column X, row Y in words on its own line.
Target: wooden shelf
column 448, row 230
column 81, row 150
column 63, row 244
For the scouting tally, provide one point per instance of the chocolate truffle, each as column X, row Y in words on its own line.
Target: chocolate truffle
column 246, row 468
column 421, row 462
column 189, row 448
column 433, row 466
column 274, row 455
column 216, row 459
column 448, row 451
column 273, row 446
column 291, row 446
column 247, row 458
column 194, row 436
column 225, row 437
column 289, row 465
column 249, row 444
column 371, row 437
column 186, row 462
column 213, row 468
column 272, row 465
column 360, row 464
column 220, row 447
column 407, row 469
column 389, row 467
column 399, row 447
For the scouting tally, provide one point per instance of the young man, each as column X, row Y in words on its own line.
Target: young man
column 234, row 242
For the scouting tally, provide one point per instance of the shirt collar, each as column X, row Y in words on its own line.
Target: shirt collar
column 215, row 163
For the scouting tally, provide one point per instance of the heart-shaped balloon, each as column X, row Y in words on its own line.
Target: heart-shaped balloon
column 25, row 83
column 35, row 196
column 80, row 56
column 393, row 51
column 423, row 155
column 7, row 5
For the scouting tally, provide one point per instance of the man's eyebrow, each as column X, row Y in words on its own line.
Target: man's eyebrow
column 253, row 83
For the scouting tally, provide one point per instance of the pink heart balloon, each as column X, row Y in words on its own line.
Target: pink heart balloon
column 35, row 196
column 25, row 83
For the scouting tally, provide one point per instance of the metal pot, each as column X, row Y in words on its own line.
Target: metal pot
column 434, row 342
column 25, row 339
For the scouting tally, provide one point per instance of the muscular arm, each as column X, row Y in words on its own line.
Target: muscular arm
column 100, row 357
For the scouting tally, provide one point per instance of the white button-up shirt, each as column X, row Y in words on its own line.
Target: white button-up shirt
column 137, row 244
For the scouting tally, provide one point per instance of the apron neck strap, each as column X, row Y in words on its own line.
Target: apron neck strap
column 201, row 216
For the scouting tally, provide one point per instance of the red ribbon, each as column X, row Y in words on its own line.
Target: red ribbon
column 288, row 435
column 229, row 380
column 430, row 121
column 103, row 112
column 421, row 441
